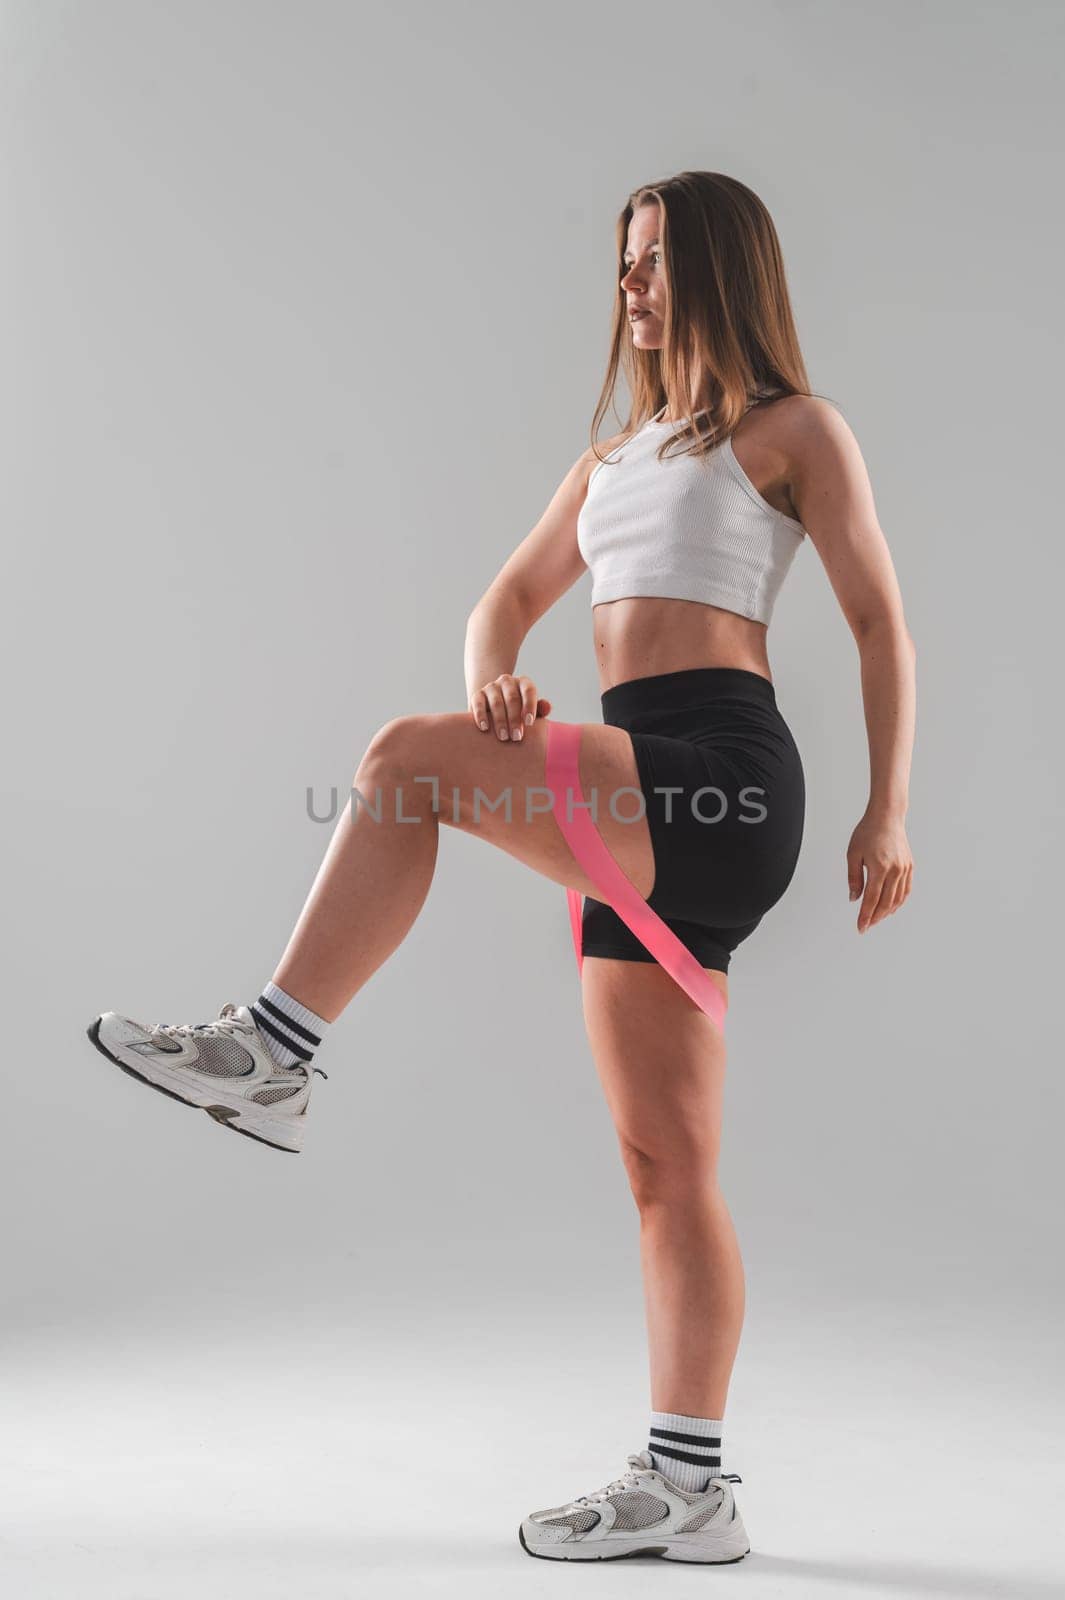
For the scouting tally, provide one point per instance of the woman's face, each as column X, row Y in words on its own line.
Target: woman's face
column 643, row 283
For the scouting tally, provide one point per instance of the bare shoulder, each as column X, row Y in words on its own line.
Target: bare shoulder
column 831, row 491
column 828, row 482
column 602, row 447
column 591, row 457
column 812, row 430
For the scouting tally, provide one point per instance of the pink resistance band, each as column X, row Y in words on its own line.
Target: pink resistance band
column 584, row 839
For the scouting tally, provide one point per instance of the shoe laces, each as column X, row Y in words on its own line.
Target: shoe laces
column 628, row 1480
column 226, row 1022
column 631, row 1480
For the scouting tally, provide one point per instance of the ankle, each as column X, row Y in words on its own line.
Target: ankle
column 686, row 1449
column 290, row 1031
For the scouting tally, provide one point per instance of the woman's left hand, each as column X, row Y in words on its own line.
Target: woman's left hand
column 879, row 845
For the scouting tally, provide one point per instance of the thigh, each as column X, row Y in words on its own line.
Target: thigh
column 494, row 789
column 661, row 1063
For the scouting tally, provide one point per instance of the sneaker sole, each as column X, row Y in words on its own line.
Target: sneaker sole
column 225, row 1115
column 676, row 1549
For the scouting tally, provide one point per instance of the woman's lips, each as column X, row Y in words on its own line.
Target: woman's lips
column 638, row 315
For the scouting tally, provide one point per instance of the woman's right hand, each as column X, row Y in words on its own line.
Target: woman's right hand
column 507, row 706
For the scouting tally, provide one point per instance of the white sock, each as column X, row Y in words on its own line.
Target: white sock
column 290, row 1031
column 686, row 1450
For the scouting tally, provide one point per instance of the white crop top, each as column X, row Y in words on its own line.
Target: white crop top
column 686, row 528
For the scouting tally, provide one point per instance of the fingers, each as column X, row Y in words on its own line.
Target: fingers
column 905, row 884
column 528, row 703
column 878, row 891
column 899, row 893
column 506, row 706
column 871, row 898
column 504, row 698
column 885, row 890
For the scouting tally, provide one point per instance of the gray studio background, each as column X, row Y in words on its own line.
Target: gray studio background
column 305, row 311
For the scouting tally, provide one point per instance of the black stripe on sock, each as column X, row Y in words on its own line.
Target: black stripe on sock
column 683, row 1455
column 282, row 1016
column 687, row 1438
column 275, row 1033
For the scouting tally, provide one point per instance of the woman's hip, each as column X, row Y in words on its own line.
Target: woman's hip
column 722, row 785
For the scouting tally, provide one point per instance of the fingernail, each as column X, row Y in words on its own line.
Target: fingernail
column 503, row 734
column 528, row 719
column 484, row 727
column 518, row 732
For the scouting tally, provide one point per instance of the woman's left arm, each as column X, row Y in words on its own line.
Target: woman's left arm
column 830, row 489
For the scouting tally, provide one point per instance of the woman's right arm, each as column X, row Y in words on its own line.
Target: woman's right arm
column 543, row 567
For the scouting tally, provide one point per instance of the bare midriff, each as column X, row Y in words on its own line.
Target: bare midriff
column 646, row 635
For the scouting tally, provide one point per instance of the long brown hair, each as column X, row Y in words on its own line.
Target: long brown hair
column 728, row 319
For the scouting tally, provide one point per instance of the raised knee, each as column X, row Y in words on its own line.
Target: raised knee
column 393, row 743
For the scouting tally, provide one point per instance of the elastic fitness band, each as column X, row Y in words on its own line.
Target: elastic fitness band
column 584, row 839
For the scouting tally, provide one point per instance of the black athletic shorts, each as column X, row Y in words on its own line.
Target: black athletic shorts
column 726, row 839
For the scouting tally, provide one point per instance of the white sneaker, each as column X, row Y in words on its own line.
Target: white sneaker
column 222, row 1066
column 642, row 1513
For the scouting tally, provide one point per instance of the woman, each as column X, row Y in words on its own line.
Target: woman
column 688, row 523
